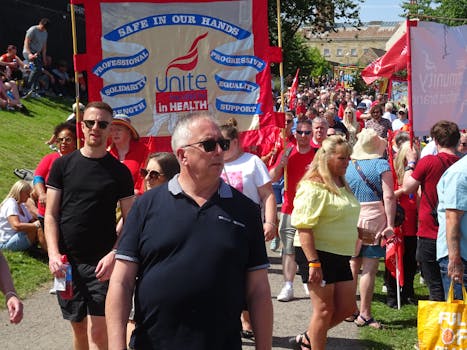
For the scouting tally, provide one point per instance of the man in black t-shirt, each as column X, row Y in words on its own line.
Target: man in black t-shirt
column 84, row 188
column 197, row 248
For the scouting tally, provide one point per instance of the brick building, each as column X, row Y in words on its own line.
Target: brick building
column 351, row 46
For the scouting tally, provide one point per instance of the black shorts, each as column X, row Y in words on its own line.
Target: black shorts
column 88, row 295
column 336, row 268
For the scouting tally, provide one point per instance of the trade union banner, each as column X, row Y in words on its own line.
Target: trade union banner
column 439, row 75
column 155, row 60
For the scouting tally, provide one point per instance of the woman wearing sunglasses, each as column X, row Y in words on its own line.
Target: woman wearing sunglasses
column 160, row 168
column 125, row 146
column 249, row 175
column 65, row 142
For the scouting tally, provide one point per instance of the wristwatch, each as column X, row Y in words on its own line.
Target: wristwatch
column 409, row 167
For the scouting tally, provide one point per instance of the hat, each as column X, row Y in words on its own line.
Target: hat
column 369, row 145
column 403, row 110
column 361, row 105
column 123, row 119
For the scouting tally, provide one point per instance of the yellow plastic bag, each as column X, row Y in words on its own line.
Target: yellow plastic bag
column 443, row 325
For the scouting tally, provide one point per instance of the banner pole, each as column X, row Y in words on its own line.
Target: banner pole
column 409, row 83
column 281, row 75
column 75, row 52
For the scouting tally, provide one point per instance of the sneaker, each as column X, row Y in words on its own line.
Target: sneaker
column 384, row 289
column 305, row 288
column 28, row 94
column 52, row 291
column 286, row 294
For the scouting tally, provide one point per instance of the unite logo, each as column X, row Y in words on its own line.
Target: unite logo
column 182, row 92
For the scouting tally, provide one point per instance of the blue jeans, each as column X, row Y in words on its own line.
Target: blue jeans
column 443, row 266
column 426, row 257
column 36, row 72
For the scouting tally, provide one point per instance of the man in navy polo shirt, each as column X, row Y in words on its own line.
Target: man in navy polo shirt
column 196, row 246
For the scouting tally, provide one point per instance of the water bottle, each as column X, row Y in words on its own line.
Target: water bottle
column 31, row 65
column 68, row 292
column 10, row 95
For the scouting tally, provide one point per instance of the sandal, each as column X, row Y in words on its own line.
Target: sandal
column 371, row 322
column 298, row 344
column 353, row 317
column 247, row 334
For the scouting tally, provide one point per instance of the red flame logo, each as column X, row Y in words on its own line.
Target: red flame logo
column 188, row 61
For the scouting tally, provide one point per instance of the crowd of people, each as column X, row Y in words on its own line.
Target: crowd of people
column 325, row 191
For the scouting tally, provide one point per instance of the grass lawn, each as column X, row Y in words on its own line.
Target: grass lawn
column 23, row 145
column 400, row 326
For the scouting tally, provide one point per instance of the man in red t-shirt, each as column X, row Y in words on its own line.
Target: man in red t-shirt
column 295, row 159
column 427, row 174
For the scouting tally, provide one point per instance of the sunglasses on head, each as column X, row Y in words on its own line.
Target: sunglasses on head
column 153, row 174
column 303, row 132
column 210, row 145
column 67, row 140
column 102, row 124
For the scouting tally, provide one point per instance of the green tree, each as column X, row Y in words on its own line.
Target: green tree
column 449, row 12
column 321, row 16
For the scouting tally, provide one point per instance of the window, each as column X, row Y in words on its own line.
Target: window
column 339, row 53
column 326, row 53
column 353, row 52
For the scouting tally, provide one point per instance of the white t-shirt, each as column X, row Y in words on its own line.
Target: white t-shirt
column 397, row 124
column 9, row 208
column 246, row 174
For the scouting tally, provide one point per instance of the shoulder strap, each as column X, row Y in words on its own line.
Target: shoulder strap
column 364, row 178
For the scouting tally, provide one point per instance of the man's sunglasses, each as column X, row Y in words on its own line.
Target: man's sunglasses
column 153, row 174
column 67, row 140
column 210, row 145
column 102, row 124
column 304, row 132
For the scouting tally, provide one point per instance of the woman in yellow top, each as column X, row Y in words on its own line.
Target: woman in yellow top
column 325, row 215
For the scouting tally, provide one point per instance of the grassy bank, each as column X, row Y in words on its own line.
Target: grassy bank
column 23, row 145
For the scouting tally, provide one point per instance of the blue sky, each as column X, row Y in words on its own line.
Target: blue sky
column 380, row 10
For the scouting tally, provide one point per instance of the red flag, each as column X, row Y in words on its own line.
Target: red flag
column 395, row 251
column 293, row 91
column 394, row 60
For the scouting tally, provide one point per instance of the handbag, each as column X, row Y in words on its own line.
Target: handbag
column 443, row 324
column 399, row 216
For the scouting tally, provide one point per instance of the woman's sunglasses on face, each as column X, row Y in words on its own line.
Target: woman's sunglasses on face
column 153, row 174
column 66, row 140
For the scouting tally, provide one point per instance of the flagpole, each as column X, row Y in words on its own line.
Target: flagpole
column 398, row 286
column 281, row 76
column 409, row 82
column 75, row 52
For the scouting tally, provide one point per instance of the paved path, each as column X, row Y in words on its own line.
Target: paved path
column 43, row 327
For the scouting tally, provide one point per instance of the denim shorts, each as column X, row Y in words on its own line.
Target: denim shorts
column 19, row 241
